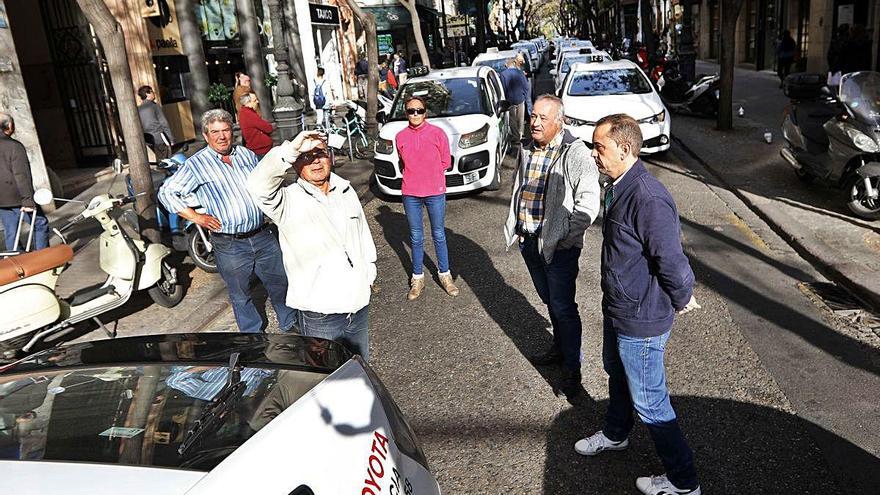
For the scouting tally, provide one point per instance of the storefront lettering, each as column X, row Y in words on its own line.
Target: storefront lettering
column 168, row 43
column 324, row 15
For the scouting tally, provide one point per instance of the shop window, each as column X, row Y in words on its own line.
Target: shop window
column 170, row 74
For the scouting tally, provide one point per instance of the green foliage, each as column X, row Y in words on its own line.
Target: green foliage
column 218, row 93
column 271, row 80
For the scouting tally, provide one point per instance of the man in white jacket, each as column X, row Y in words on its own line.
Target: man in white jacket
column 328, row 251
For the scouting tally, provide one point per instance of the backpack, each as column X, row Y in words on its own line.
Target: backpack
column 392, row 80
column 318, row 97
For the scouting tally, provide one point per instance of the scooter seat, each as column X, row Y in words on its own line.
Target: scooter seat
column 25, row 265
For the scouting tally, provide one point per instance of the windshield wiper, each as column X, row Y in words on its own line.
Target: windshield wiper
column 215, row 415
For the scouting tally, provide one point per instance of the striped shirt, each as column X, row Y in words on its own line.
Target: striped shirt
column 205, row 385
column 531, row 200
column 220, row 188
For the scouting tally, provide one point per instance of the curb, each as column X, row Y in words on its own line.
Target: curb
column 817, row 252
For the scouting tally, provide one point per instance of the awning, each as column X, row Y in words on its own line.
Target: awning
column 389, row 18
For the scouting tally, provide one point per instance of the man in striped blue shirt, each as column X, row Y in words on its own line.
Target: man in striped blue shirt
column 244, row 244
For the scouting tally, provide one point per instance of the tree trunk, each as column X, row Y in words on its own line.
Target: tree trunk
column 368, row 22
column 482, row 6
column 410, row 5
column 112, row 39
column 191, row 35
column 729, row 13
column 295, row 52
column 253, row 54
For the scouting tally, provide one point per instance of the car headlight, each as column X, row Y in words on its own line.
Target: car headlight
column 475, row 138
column 578, row 122
column 654, row 119
column 384, row 146
column 862, row 140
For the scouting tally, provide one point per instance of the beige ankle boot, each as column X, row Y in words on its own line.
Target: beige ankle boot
column 416, row 287
column 448, row 286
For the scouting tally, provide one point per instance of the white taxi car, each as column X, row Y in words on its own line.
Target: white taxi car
column 468, row 104
column 534, row 52
column 594, row 90
column 497, row 59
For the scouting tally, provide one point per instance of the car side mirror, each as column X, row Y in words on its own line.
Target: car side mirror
column 502, row 106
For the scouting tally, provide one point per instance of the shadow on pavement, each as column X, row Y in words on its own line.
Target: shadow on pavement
column 507, row 306
column 738, row 447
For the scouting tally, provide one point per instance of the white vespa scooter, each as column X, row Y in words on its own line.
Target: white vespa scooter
column 31, row 311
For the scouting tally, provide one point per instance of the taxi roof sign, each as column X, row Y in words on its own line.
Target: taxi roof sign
column 419, row 70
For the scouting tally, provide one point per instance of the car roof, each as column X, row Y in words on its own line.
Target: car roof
column 202, row 348
column 453, row 73
column 594, row 66
column 497, row 55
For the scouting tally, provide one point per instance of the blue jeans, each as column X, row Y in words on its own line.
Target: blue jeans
column 239, row 261
column 349, row 329
column 637, row 380
column 436, row 206
column 555, row 283
column 9, row 217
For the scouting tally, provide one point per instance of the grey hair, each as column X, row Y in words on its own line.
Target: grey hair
column 560, row 108
column 245, row 98
column 510, row 62
column 624, row 130
column 6, row 121
column 215, row 115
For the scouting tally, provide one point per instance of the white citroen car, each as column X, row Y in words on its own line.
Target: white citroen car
column 593, row 90
column 570, row 57
column 468, row 104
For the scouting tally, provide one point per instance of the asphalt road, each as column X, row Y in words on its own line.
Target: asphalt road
column 774, row 395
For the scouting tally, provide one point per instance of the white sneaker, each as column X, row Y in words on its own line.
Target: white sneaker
column 660, row 485
column 598, row 442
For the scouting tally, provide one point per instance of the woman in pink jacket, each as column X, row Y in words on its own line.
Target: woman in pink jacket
column 424, row 157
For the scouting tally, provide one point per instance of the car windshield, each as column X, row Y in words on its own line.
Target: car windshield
column 445, row 97
column 137, row 415
column 530, row 47
column 860, row 92
column 570, row 60
column 609, row 82
column 497, row 63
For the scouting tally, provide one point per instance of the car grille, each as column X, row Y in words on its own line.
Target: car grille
column 390, row 183
column 383, row 168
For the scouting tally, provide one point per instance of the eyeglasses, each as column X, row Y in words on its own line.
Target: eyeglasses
column 415, row 111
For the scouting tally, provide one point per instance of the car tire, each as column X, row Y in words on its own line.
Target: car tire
column 496, row 180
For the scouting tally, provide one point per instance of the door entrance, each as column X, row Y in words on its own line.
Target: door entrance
column 84, row 83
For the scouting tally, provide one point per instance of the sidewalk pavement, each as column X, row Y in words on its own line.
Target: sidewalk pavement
column 812, row 217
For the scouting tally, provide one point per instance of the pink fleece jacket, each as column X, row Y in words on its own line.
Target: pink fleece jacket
column 424, row 157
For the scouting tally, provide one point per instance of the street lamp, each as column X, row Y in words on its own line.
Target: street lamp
column 288, row 112
column 686, row 53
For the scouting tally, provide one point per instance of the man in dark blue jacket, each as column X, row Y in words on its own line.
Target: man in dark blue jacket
column 518, row 92
column 646, row 279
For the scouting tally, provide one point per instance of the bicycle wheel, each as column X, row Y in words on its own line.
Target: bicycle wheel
column 363, row 147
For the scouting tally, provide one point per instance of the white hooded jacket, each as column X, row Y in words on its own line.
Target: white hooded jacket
column 328, row 250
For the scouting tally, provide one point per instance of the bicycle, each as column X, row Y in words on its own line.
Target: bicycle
column 353, row 130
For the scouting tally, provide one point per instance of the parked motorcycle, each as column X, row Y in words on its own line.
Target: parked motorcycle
column 30, row 309
column 191, row 237
column 835, row 135
column 699, row 98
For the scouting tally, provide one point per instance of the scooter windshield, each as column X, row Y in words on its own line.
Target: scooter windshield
column 860, row 92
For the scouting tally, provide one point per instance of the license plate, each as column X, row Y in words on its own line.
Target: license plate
column 471, row 177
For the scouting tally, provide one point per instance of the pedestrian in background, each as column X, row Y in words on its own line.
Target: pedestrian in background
column 242, row 87
column 646, row 279
column 517, row 91
column 835, row 51
column 361, row 70
column 398, row 66
column 154, row 123
column 424, row 155
column 245, row 245
column 321, row 98
column 17, row 193
column 555, row 198
column 255, row 131
column 785, row 51
column 326, row 242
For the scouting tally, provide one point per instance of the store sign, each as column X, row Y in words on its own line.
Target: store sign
column 149, row 8
column 456, row 20
column 386, row 44
column 458, row 31
column 324, row 14
column 164, row 31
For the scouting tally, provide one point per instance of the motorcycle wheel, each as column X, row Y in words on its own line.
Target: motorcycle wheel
column 198, row 252
column 857, row 200
column 165, row 293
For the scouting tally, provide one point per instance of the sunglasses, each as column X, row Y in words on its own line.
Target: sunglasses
column 415, row 111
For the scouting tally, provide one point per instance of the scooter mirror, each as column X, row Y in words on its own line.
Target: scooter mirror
column 117, row 166
column 42, row 196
